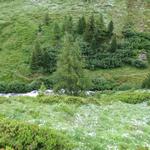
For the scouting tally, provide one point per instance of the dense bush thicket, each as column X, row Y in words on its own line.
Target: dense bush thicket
column 20, row 87
column 43, row 59
column 100, row 84
column 20, row 136
column 96, row 84
column 98, row 42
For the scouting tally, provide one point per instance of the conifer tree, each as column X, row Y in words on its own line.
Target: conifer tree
column 81, row 25
column 100, row 23
column 56, row 34
column 90, row 28
column 36, row 58
column 68, row 25
column 70, row 73
column 110, row 29
column 49, row 59
column 113, row 45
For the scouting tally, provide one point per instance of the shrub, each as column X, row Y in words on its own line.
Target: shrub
column 22, row 136
column 146, row 82
column 2, row 87
column 16, row 87
column 126, row 86
column 100, row 84
column 66, row 99
column 131, row 97
column 139, row 64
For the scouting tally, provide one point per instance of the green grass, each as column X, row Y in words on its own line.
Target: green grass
column 19, row 20
column 92, row 126
column 125, row 75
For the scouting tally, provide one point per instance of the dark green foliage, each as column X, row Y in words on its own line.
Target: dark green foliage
column 136, row 40
column 15, row 87
column 70, row 74
column 2, row 87
column 106, row 60
column 81, row 26
column 146, row 82
column 20, row 87
column 130, row 97
column 36, row 58
column 43, row 58
column 139, row 64
column 40, row 28
column 89, row 30
column 68, row 25
column 98, row 44
column 56, row 36
column 21, row 136
column 128, row 30
column 100, row 23
column 100, row 84
column 49, row 59
column 126, row 86
column 113, row 45
column 110, row 28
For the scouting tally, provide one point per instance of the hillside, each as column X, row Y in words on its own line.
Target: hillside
column 74, row 75
column 19, row 21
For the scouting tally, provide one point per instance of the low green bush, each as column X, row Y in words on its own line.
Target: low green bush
column 2, row 87
column 139, row 64
column 126, row 86
column 19, row 87
column 21, row 136
column 16, row 87
column 146, row 82
column 66, row 99
column 131, row 97
column 100, row 84
column 13, row 87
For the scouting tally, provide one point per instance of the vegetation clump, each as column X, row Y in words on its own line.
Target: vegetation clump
column 18, row 135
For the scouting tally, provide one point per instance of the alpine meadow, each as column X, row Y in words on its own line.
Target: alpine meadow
column 74, row 74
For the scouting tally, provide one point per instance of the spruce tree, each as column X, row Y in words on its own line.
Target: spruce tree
column 110, row 29
column 100, row 23
column 68, row 25
column 90, row 28
column 36, row 58
column 81, row 25
column 56, row 35
column 70, row 74
column 113, row 45
column 49, row 59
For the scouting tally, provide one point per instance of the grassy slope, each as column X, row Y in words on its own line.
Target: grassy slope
column 93, row 127
column 19, row 20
